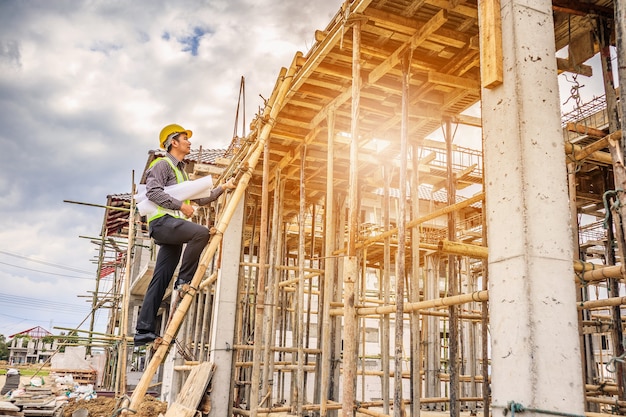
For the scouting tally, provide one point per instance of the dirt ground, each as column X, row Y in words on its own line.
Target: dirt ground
column 106, row 407
column 103, row 406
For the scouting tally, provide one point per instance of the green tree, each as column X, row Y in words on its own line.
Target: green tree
column 4, row 349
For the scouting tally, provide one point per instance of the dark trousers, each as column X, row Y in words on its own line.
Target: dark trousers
column 170, row 233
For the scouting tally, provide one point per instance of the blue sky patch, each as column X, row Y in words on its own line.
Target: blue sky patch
column 191, row 43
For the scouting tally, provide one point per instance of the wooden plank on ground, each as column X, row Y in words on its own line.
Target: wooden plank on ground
column 8, row 409
column 192, row 392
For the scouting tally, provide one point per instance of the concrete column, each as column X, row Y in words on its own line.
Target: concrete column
column 224, row 312
column 535, row 348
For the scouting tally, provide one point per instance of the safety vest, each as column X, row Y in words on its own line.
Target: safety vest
column 181, row 176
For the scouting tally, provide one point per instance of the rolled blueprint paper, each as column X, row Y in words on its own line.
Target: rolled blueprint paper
column 186, row 190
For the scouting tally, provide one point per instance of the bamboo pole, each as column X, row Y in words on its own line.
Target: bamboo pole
column 398, row 410
column 283, row 322
column 300, row 392
column 618, row 151
column 259, row 343
column 609, row 401
column 362, row 325
column 285, row 349
column 620, row 33
column 588, row 150
column 606, row 302
column 386, row 286
column 577, row 151
column 414, row 294
column 586, row 271
column 482, row 295
column 453, row 281
column 309, row 303
column 272, row 289
column 586, row 351
column 244, row 309
column 276, row 274
column 237, row 195
column 462, row 249
column 329, row 262
column 485, row 322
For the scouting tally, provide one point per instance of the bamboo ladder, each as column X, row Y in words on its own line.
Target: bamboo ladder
column 271, row 111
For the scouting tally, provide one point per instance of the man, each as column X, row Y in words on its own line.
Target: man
column 170, row 228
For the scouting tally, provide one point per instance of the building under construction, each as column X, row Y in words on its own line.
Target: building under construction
column 362, row 266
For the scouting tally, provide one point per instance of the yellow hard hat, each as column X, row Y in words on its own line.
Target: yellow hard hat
column 168, row 130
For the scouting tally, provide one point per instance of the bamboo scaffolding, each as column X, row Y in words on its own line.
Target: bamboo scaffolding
column 427, row 217
column 285, row 349
column 290, row 282
column 237, row 194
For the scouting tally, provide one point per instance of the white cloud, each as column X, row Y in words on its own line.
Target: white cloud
column 84, row 89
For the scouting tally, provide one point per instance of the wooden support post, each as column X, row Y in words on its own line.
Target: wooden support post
column 620, row 42
column 350, row 261
column 453, row 284
column 260, row 288
column 620, row 32
column 586, row 352
column 269, row 314
column 122, row 352
column 398, row 409
column 414, row 293
column 484, row 327
column 618, row 152
column 386, row 288
column 329, row 266
column 300, row 393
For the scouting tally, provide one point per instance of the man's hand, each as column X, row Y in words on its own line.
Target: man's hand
column 187, row 210
column 229, row 185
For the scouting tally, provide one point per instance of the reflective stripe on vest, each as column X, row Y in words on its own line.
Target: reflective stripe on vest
column 181, row 176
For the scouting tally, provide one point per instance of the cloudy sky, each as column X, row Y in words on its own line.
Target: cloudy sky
column 85, row 87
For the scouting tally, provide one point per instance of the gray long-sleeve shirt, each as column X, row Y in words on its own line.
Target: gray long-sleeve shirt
column 160, row 175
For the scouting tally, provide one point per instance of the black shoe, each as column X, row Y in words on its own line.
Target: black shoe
column 179, row 284
column 145, row 338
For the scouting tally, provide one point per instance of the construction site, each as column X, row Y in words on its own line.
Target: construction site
column 368, row 261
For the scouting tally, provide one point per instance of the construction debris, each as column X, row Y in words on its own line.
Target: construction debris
column 8, row 409
column 38, row 401
column 106, row 406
